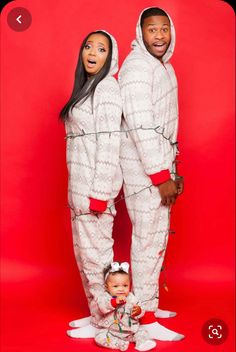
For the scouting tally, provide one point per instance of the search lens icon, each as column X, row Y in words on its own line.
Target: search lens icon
column 215, row 332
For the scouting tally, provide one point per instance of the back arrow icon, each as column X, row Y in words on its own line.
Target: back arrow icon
column 18, row 19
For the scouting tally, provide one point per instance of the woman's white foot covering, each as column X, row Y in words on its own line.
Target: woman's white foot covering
column 87, row 331
column 79, row 323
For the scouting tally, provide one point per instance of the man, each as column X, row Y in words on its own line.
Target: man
column 148, row 152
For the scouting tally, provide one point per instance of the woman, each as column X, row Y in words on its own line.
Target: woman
column 92, row 119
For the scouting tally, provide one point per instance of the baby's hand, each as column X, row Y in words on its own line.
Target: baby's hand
column 136, row 310
column 121, row 299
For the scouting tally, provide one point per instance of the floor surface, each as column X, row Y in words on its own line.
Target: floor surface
column 35, row 315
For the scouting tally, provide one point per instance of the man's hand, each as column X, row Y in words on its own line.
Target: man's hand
column 136, row 310
column 179, row 181
column 121, row 299
column 168, row 191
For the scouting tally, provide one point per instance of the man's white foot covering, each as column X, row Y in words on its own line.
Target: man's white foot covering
column 159, row 332
column 79, row 323
column 160, row 313
column 87, row 331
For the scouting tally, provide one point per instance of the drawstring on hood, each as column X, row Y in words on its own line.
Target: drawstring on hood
column 138, row 42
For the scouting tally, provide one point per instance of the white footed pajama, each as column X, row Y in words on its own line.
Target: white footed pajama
column 150, row 108
column 95, row 180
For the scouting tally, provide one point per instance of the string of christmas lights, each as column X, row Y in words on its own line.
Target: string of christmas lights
column 158, row 129
column 111, row 206
column 118, row 314
column 122, row 197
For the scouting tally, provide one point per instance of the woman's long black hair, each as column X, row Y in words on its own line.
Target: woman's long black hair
column 84, row 86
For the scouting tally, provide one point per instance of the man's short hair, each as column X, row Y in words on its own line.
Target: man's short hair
column 153, row 11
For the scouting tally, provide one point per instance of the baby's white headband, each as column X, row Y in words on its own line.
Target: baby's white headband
column 116, row 266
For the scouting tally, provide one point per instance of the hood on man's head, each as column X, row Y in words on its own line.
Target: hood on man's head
column 114, row 60
column 139, row 37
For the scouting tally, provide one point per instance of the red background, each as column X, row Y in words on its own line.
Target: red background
column 41, row 287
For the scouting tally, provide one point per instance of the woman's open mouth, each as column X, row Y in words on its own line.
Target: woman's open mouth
column 91, row 63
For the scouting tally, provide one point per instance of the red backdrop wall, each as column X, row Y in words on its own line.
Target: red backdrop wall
column 37, row 73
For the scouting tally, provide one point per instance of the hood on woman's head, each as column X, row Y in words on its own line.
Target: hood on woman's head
column 114, row 60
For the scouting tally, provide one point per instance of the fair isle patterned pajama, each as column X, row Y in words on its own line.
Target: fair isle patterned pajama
column 116, row 327
column 150, row 107
column 92, row 239
column 150, row 229
column 94, row 174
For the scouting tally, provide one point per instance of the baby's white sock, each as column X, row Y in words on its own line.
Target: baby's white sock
column 159, row 332
column 160, row 313
column 87, row 331
column 79, row 323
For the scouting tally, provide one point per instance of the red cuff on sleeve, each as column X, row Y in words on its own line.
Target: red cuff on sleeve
column 97, row 205
column 148, row 318
column 160, row 177
column 113, row 303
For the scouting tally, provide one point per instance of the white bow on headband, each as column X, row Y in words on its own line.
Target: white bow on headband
column 115, row 266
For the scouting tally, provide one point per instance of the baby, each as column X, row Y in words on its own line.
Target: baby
column 121, row 312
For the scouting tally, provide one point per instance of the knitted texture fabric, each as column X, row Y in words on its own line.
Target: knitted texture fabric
column 149, row 96
column 123, row 313
column 94, row 173
column 93, row 248
column 150, row 106
column 116, row 327
column 93, row 159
